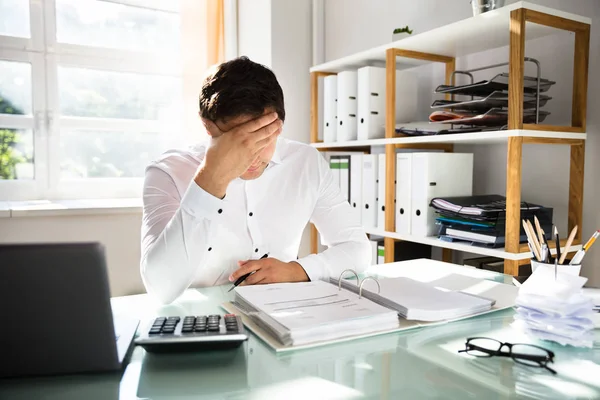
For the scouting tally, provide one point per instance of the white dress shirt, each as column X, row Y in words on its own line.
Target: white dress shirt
column 192, row 238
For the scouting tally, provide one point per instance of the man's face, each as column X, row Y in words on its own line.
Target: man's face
column 259, row 165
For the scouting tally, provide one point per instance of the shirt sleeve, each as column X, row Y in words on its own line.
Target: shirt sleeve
column 174, row 233
column 348, row 245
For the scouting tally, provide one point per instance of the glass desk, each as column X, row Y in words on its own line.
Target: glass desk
column 420, row 364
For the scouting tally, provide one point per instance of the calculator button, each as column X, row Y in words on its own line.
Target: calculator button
column 154, row 331
column 200, row 328
column 188, row 329
column 213, row 328
column 232, row 328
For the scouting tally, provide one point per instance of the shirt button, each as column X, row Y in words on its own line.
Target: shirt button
column 220, row 210
column 251, row 214
column 256, row 250
column 210, row 248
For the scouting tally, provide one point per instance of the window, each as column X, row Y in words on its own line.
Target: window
column 90, row 92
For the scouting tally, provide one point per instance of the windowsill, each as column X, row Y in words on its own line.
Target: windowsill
column 54, row 208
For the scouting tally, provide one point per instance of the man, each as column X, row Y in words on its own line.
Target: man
column 240, row 202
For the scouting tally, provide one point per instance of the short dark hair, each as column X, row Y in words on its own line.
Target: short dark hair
column 240, row 87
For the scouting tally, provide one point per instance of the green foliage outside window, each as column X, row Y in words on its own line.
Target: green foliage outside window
column 10, row 156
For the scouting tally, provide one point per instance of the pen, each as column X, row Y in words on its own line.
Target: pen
column 243, row 277
column 581, row 253
column 568, row 245
column 557, row 240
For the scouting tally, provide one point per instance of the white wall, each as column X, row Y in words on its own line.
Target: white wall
column 254, row 30
column 355, row 25
column 277, row 33
column 119, row 233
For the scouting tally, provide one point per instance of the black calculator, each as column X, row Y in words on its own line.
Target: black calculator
column 193, row 333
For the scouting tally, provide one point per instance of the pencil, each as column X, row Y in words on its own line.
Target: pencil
column 591, row 241
column 568, row 245
column 534, row 249
column 540, row 232
column 536, row 243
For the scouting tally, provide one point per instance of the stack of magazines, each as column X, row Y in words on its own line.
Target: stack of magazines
column 481, row 220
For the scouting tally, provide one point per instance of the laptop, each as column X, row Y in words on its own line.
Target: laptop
column 56, row 312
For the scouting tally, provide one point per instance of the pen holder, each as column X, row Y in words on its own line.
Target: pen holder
column 565, row 267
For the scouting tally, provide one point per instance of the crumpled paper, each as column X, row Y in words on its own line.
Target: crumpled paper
column 552, row 307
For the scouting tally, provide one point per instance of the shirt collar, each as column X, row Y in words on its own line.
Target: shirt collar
column 276, row 159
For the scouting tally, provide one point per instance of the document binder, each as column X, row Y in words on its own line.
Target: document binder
column 371, row 100
column 347, row 82
column 356, row 201
column 437, row 175
column 334, row 165
column 458, row 293
column 381, row 192
column 370, row 171
column 330, row 108
column 403, row 192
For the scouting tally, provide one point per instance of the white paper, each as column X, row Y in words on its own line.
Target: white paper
column 309, row 311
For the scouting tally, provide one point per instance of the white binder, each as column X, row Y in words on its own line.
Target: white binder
column 345, row 175
column 381, row 253
column 334, row 165
column 356, row 186
column 437, row 175
column 369, row 190
column 329, row 108
column 381, row 192
column 371, row 100
column 403, row 192
column 347, row 82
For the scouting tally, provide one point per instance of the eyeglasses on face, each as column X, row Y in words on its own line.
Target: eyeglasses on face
column 526, row 354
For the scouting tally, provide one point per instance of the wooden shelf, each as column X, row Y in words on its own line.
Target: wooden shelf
column 435, row 242
column 492, row 137
column 472, row 35
column 508, row 26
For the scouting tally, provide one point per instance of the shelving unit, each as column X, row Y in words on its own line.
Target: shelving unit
column 498, row 28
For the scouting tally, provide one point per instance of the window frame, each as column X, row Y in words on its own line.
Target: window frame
column 46, row 55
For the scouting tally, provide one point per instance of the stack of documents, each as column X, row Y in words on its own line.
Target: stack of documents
column 481, row 220
column 551, row 306
column 420, row 301
column 301, row 313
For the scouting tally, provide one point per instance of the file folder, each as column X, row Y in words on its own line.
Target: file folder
column 370, row 171
column 345, row 175
column 347, row 83
column 330, row 108
column 381, row 192
column 371, row 100
column 403, row 192
column 437, row 175
column 356, row 186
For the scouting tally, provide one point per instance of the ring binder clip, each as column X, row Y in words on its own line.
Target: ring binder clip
column 342, row 274
column 363, row 282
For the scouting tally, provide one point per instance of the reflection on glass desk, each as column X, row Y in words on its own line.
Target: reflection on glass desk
column 420, row 364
